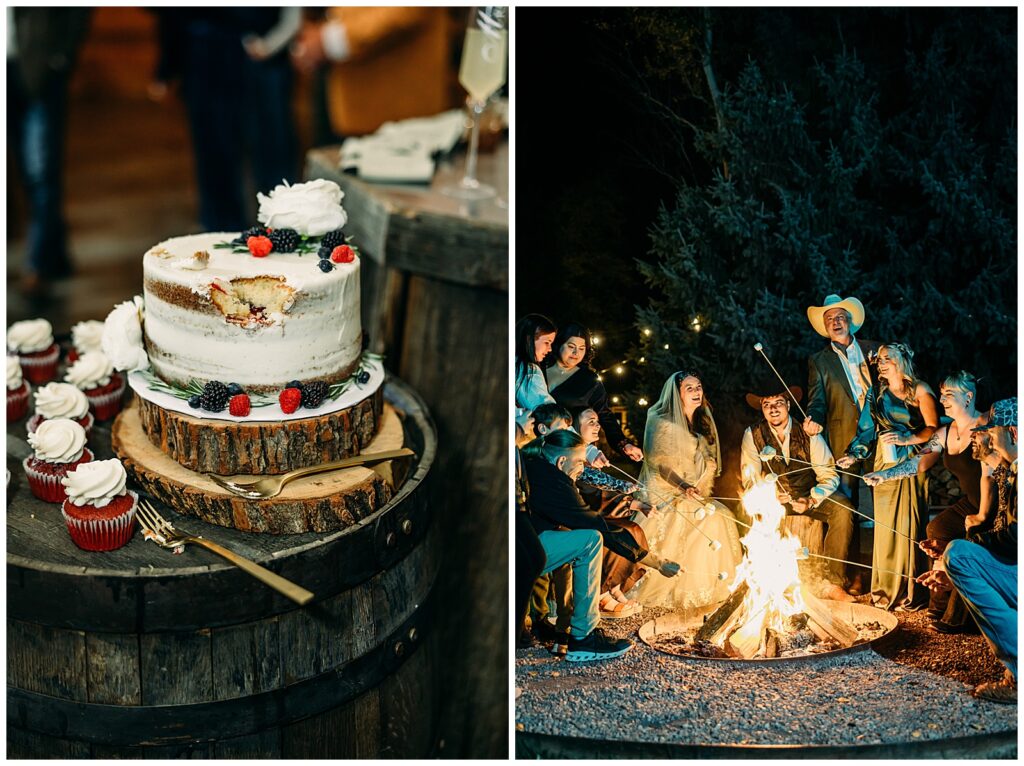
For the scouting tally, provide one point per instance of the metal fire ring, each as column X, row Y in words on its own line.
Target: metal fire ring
column 690, row 618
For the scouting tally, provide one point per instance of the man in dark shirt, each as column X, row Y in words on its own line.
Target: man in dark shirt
column 570, row 534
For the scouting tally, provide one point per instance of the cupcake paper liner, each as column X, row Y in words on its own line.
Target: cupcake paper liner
column 101, row 534
column 47, row 486
column 17, row 402
column 40, row 368
column 106, row 405
column 85, row 422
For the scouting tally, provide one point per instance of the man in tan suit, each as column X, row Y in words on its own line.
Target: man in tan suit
column 839, row 382
column 385, row 64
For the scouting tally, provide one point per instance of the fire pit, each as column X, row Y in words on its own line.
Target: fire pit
column 675, row 633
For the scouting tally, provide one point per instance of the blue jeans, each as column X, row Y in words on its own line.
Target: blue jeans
column 988, row 585
column 35, row 133
column 581, row 549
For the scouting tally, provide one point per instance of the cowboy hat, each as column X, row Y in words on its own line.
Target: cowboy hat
column 816, row 314
column 754, row 400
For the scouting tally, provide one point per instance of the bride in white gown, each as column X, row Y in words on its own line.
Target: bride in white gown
column 681, row 460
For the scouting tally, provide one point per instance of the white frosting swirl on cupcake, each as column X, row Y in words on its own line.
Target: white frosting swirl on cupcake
column 14, row 378
column 312, row 208
column 90, row 370
column 86, row 336
column 61, row 400
column 58, row 441
column 122, row 336
column 29, row 336
column 95, row 483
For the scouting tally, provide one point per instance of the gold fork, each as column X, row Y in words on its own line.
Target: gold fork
column 156, row 528
column 270, row 486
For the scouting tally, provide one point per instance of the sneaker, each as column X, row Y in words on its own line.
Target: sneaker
column 1004, row 691
column 546, row 633
column 596, row 646
column 560, row 647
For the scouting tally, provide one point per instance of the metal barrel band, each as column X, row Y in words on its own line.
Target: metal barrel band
column 158, row 725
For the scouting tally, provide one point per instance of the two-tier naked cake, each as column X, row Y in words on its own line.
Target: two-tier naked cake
column 245, row 353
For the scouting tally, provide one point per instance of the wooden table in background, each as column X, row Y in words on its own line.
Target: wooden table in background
column 435, row 302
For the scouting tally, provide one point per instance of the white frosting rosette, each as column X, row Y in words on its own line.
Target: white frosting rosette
column 122, row 336
column 58, row 441
column 95, row 483
column 91, row 370
column 14, row 377
column 61, row 400
column 312, row 208
column 29, row 336
column 87, row 336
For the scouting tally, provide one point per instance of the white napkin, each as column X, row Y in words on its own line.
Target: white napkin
column 400, row 152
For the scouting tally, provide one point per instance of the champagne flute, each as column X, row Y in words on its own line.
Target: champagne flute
column 483, row 70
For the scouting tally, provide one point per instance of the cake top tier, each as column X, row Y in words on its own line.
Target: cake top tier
column 196, row 262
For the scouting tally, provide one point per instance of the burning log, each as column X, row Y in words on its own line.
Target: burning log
column 718, row 619
column 823, row 620
column 745, row 641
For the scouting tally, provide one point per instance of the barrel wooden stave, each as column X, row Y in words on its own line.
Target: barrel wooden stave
column 366, row 671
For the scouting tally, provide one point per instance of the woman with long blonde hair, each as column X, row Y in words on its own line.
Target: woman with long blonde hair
column 902, row 416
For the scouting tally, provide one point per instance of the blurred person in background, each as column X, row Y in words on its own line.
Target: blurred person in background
column 384, row 64
column 42, row 45
column 236, row 82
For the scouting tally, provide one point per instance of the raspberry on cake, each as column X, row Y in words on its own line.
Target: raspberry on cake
column 58, row 446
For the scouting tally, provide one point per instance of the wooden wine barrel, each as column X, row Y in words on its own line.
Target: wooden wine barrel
column 142, row 653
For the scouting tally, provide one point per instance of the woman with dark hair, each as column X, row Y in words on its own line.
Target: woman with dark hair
column 534, row 335
column 682, row 457
column 901, row 416
column 574, row 384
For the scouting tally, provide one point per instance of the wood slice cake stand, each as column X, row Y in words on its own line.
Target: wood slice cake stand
column 319, row 503
column 260, row 448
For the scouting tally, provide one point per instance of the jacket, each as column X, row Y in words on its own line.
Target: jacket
column 830, row 400
column 582, row 389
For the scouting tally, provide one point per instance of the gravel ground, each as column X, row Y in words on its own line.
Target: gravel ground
column 916, row 691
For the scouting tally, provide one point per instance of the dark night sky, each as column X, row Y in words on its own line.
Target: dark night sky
column 584, row 200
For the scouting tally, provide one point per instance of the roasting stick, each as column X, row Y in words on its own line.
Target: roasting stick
column 759, row 348
column 817, row 465
column 668, row 501
column 858, row 564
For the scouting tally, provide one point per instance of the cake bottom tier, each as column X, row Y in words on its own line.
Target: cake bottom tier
column 320, row 503
column 265, row 447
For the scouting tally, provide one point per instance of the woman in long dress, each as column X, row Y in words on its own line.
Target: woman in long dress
column 902, row 417
column 681, row 460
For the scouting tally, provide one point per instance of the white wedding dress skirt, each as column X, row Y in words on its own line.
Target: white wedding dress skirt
column 674, row 534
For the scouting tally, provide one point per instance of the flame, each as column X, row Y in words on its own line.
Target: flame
column 769, row 567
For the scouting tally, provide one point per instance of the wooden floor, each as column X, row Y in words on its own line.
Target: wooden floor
column 129, row 184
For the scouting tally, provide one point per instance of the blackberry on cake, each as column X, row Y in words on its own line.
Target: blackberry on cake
column 214, row 397
column 313, row 394
column 333, row 238
column 253, row 231
column 284, row 240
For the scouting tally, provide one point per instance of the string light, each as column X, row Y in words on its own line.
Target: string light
column 643, row 360
column 696, row 324
column 619, row 369
column 595, row 340
column 642, row 401
column 615, row 400
column 647, row 332
column 665, row 347
column 600, row 377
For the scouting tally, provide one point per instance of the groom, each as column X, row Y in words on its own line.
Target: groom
column 807, row 480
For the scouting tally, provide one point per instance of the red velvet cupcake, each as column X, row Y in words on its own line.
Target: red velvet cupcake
column 99, row 510
column 59, row 447
column 61, row 400
column 94, row 375
column 85, row 337
column 17, row 391
column 32, row 341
